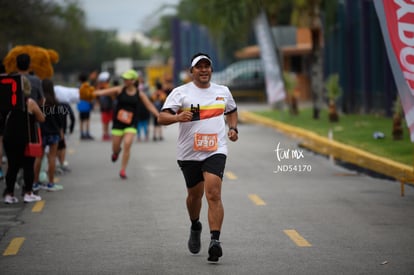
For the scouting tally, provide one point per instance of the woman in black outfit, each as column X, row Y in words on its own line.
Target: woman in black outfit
column 124, row 126
column 16, row 136
column 52, row 133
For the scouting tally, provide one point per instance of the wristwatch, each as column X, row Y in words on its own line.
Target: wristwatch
column 235, row 129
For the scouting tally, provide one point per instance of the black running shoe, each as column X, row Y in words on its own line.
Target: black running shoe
column 194, row 243
column 214, row 251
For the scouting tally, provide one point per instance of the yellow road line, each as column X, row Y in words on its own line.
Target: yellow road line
column 14, row 246
column 38, row 207
column 297, row 238
column 256, row 199
column 230, row 175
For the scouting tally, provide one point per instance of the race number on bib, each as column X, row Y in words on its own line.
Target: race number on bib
column 205, row 142
column 124, row 116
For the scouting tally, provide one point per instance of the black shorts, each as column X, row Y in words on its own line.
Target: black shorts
column 193, row 170
column 84, row 116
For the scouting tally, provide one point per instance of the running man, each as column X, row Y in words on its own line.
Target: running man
column 200, row 106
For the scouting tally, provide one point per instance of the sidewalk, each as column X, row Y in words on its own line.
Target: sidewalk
column 335, row 150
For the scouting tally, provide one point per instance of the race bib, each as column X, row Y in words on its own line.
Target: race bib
column 124, row 116
column 205, row 142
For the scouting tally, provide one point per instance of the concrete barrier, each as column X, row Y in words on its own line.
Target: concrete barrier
column 325, row 146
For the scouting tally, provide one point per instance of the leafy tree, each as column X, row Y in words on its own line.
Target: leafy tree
column 24, row 21
column 306, row 13
column 62, row 27
column 231, row 21
column 162, row 34
column 334, row 90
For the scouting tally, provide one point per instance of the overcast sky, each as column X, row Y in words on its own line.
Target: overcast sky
column 124, row 15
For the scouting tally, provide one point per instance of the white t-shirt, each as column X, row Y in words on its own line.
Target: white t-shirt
column 205, row 135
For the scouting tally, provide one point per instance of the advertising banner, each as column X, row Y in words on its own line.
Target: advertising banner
column 274, row 83
column 396, row 18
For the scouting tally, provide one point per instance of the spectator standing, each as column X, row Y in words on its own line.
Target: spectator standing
column 52, row 133
column 124, row 126
column 65, row 96
column 66, row 112
column 3, row 115
column 143, row 114
column 16, row 136
column 85, row 106
column 143, row 120
column 23, row 67
column 199, row 107
column 106, row 105
column 158, row 99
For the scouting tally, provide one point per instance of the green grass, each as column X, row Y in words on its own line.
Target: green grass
column 353, row 129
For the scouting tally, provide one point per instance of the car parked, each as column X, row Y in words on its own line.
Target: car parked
column 245, row 75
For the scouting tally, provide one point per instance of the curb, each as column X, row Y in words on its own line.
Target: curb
column 398, row 171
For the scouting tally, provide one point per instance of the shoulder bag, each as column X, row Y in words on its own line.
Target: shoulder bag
column 34, row 147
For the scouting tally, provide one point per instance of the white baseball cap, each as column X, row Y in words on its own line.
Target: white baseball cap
column 199, row 58
column 103, row 76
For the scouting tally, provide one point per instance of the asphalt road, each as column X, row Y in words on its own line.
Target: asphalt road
column 287, row 211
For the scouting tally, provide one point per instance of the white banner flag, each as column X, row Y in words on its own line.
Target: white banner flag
column 274, row 83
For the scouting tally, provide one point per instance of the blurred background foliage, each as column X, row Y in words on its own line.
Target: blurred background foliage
column 61, row 25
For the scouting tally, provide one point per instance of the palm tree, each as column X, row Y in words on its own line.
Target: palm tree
column 306, row 13
column 290, row 86
column 334, row 92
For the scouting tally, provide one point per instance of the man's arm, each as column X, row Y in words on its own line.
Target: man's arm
column 232, row 119
column 168, row 117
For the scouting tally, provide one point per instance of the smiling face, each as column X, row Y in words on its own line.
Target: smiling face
column 202, row 73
